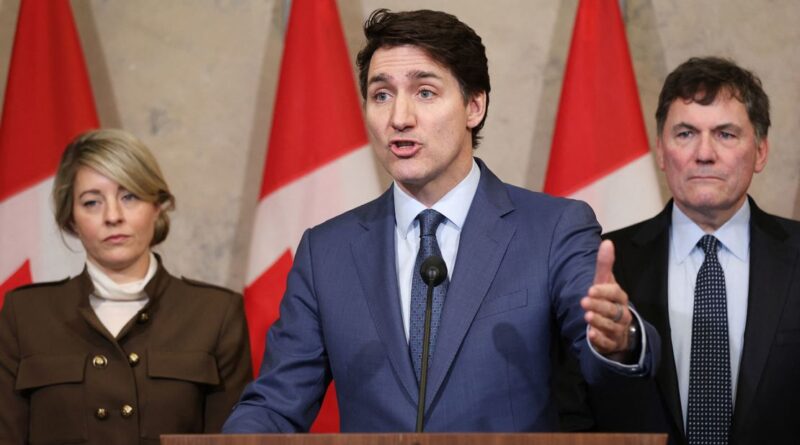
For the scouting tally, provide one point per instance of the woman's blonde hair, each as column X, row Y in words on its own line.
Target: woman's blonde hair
column 122, row 157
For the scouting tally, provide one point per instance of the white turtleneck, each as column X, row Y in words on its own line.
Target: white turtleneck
column 115, row 304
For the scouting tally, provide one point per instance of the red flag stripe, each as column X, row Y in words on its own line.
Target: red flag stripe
column 317, row 112
column 20, row 277
column 328, row 418
column 599, row 126
column 261, row 300
column 317, row 129
column 48, row 100
column 48, row 97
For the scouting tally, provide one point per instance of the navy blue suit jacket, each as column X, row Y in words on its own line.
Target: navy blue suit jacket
column 525, row 259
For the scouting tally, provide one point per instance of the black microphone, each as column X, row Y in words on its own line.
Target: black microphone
column 433, row 272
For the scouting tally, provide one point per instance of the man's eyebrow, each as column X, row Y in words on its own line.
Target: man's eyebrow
column 684, row 126
column 728, row 126
column 419, row 74
column 377, row 78
column 416, row 74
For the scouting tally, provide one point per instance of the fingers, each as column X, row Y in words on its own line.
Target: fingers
column 608, row 328
column 602, row 314
column 618, row 315
column 603, row 273
column 609, row 293
column 603, row 343
column 606, row 306
column 611, row 310
column 606, row 336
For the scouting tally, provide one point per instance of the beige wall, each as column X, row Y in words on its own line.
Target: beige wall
column 196, row 78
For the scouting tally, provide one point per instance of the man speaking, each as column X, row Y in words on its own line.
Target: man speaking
column 520, row 269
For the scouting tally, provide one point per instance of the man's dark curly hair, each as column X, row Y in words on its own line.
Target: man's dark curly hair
column 442, row 36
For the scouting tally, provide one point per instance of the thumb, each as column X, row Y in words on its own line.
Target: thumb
column 605, row 262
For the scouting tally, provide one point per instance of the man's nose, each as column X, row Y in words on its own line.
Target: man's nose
column 403, row 113
column 706, row 149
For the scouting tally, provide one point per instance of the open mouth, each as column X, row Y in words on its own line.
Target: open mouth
column 404, row 148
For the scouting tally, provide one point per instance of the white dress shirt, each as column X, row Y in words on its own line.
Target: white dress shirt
column 685, row 259
column 454, row 206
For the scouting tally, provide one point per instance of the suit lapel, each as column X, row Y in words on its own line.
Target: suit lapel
column 650, row 270
column 374, row 258
column 484, row 239
column 772, row 262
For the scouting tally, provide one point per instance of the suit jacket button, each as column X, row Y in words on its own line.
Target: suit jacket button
column 133, row 358
column 99, row 361
column 126, row 411
column 101, row 413
column 143, row 318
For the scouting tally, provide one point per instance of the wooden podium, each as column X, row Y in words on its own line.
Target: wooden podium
column 417, row 439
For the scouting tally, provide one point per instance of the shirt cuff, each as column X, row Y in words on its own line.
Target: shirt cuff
column 636, row 368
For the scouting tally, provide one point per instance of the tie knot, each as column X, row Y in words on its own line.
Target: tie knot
column 429, row 220
column 709, row 244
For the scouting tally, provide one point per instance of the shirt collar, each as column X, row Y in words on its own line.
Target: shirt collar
column 734, row 234
column 454, row 205
column 107, row 288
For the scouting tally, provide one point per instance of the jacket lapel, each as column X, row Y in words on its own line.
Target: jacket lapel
column 772, row 262
column 651, row 272
column 84, row 289
column 484, row 239
column 374, row 258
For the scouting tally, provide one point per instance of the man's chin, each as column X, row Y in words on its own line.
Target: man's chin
column 712, row 204
column 408, row 173
column 410, row 184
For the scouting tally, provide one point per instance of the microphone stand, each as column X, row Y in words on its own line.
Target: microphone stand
column 426, row 338
column 433, row 273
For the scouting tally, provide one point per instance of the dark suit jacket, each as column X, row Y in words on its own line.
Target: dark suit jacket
column 524, row 261
column 59, row 365
column 767, row 405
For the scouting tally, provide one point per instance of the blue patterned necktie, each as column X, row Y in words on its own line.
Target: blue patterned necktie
column 429, row 220
column 710, row 404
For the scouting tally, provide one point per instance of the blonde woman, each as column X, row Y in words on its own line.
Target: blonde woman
column 123, row 352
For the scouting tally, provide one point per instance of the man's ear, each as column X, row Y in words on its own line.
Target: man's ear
column 762, row 150
column 659, row 153
column 476, row 109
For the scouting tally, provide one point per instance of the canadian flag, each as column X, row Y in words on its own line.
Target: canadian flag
column 600, row 152
column 318, row 164
column 48, row 101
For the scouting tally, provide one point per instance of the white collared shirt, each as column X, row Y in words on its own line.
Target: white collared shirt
column 454, row 206
column 685, row 259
